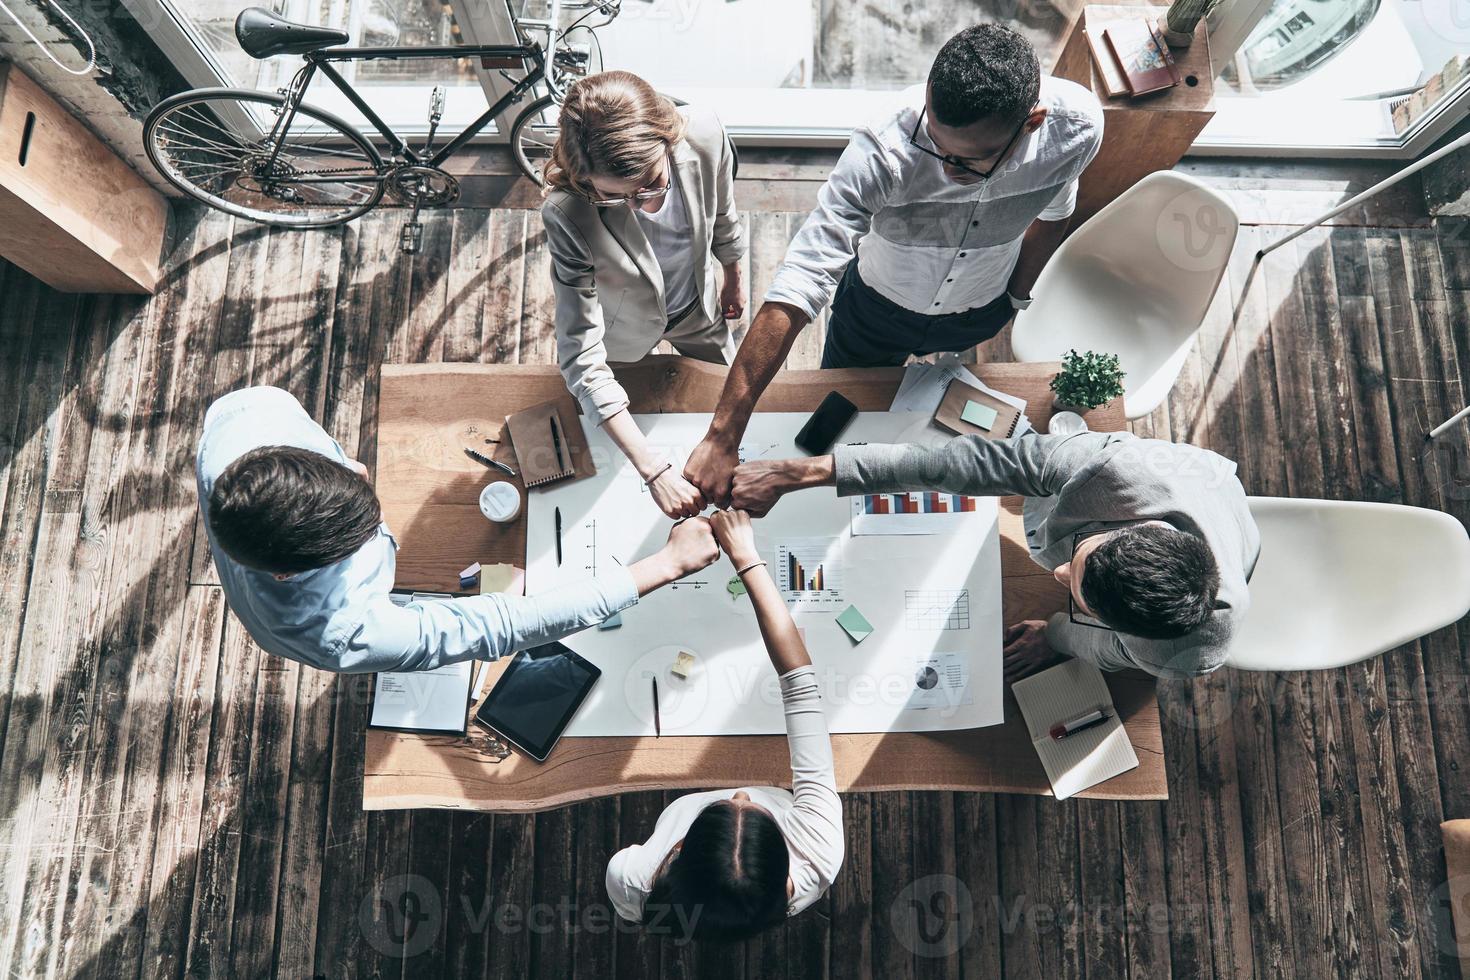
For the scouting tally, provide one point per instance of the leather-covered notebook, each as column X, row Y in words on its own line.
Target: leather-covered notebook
column 549, row 443
column 965, row 410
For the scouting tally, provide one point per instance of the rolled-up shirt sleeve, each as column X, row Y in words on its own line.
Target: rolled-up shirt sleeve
column 1062, row 205
column 827, row 241
column 425, row 635
column 581, row 349
column 816, row 828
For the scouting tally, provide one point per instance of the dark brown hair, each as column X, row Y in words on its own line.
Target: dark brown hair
column 1157, row 582
column 285, row 510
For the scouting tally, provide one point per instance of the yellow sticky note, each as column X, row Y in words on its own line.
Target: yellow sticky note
column 502, row 578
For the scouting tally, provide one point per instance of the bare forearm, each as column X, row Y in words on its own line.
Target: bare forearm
column 631, row 440
column 1041, row 240
column 783, row 642
column 771, row 335
column 653, row 573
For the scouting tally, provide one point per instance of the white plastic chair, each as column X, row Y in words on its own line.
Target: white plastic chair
column 1339, row 582
column 1134, row 280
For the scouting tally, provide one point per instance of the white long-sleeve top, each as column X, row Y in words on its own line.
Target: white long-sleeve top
column 927, row 243
column 810, row 815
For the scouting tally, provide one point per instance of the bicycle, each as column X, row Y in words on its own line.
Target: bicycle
column 276, row 159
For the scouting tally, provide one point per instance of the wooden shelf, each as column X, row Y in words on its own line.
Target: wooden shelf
column 1140, row 135
column 72, row 213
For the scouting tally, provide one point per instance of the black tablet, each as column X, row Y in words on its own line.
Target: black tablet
column 535, row 699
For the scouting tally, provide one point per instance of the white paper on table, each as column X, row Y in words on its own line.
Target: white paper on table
column 1089, row 757
column 924, row 385
column 423, row 700
column 924, row 595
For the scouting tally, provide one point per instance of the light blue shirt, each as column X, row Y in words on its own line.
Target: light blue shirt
column 340, row 617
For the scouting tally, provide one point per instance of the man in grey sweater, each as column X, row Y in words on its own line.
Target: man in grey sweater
column 1153, row 540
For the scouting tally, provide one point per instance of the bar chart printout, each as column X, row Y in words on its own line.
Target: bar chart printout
column 810, row 572
column 925, row 512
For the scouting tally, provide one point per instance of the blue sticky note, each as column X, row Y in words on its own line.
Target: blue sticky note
column 978, row 414
column 612, row 622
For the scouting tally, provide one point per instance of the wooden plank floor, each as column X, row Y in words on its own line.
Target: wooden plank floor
column 175, row 803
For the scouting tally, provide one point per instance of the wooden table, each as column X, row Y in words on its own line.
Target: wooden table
column 429, row 491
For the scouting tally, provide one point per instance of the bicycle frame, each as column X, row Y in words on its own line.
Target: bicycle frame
column 320, row 61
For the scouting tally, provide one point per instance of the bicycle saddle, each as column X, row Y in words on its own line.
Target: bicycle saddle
column 264, row 35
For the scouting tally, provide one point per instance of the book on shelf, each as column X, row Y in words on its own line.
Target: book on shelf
column 1142, row 56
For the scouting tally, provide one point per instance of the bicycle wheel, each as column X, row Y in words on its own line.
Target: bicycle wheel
column 215, row 146
column 533, row 135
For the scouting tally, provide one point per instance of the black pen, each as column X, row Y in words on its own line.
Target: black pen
column 480, row 457
column 658, row 728
column 558, row 537
column 556, row 443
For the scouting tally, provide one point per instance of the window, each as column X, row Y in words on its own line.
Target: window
column 1337, row 76
column 797, row 68
column 199, row 35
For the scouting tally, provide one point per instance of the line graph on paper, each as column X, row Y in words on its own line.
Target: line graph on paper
column 937, row 609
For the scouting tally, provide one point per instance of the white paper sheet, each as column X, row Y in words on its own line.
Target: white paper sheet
column 866, row 687
column 1085, row 759
column 425, row 700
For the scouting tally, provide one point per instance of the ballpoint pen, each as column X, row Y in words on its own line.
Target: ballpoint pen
column 558, row 537
column 556, row 444
column 658, row 728
column 480, row 457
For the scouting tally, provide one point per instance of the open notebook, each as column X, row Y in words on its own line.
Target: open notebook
column 1087, row 758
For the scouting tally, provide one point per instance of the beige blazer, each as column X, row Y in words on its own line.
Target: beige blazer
column 609, row 287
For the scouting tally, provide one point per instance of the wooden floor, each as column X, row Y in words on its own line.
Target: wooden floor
column 175, row 803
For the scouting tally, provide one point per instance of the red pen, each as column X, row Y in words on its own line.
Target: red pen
column 1081, row 723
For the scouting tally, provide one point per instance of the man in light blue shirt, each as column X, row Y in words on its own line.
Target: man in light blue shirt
column 307, row 564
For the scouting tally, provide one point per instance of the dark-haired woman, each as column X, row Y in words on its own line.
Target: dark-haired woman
column 727, row 864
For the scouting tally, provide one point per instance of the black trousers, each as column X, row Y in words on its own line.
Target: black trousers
column 867, row 329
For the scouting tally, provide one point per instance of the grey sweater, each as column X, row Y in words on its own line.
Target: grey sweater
column 1084, row 482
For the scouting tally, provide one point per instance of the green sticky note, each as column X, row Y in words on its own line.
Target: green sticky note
column 978, row 414
column 612, row 622
column 856, row 626
column 735, row 587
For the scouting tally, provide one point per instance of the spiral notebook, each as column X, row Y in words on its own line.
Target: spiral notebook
column 966, row 410
column 549, row 442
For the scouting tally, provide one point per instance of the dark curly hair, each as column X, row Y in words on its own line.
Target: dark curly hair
column 984, row 72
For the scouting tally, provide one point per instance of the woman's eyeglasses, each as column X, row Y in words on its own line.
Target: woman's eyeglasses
column 1081, row 619
column 647, row 194
column 959, row 162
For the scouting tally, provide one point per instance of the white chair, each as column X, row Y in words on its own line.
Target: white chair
column 1134, row 280
column 1339, row 582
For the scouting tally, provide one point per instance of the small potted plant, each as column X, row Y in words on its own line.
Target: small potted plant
column 1086, row 381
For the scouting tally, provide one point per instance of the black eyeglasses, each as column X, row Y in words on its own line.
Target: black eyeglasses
column 959, row 162
column 1072, row 613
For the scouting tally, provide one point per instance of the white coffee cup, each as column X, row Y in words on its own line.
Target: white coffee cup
column 500, row 502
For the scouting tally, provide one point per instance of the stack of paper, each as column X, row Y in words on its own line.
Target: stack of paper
column 924, row 385
column 1088, row 757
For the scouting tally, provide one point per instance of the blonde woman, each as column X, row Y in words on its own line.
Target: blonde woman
column 640, row 208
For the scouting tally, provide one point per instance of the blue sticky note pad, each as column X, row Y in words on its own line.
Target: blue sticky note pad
column 612, row 622
column 978, row 414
